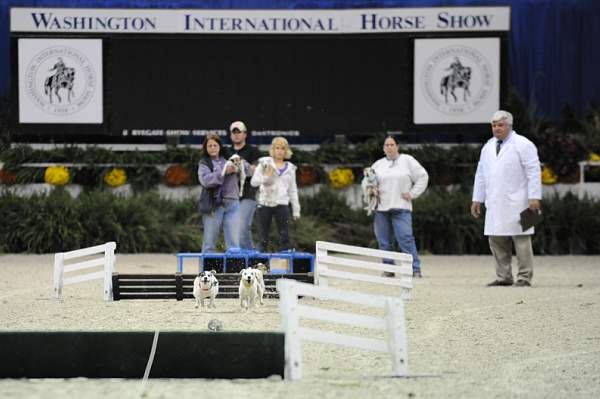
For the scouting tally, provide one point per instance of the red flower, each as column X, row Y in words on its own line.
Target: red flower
column 7, row 177
column 307, row 175
column 177, row 175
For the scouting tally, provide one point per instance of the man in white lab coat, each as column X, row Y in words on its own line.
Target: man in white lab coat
column 508, row 180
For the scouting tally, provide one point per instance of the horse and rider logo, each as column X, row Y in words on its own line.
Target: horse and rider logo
column 60, row 80
column 459, row 78
column 456, row 79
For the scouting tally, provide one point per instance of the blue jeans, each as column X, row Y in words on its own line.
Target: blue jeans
column 396, row 223
column 247, row 209
column 226, row 216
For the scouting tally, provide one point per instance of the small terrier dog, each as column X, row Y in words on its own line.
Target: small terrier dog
column 370, row 189
column 236, row 161
column 266, row 162
column 260, row 270
column 251, row 288
column 206, row 286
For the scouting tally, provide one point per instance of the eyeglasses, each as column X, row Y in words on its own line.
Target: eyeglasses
column 236, row 131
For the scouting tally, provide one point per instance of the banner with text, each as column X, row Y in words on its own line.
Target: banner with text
column 385, row 20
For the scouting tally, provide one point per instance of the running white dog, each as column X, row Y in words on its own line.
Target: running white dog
column 206, row 286
column 251, row 288
column 260, row 269
column 238, row 163
column 370, row 189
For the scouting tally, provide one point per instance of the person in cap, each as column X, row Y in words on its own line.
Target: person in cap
column 239, row 135
column 508, row 180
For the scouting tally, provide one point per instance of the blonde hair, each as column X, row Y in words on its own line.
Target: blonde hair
column 283, row 142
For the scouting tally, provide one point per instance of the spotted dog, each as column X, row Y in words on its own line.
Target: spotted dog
column 236, row 161
column 370, row 189
column 206, row 286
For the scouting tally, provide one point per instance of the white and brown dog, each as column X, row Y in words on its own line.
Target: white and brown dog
column 206, row 286
column 251, row 288
column 236, row 161
column 260, row 270
column 370, row 189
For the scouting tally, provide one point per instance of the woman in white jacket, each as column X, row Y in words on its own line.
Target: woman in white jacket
column 276, row 179
column 401, row 179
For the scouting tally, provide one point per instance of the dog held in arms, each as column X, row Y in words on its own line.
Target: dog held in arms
column 236, row 161
column 370, row 189
column 252, row 288
column 206, row 286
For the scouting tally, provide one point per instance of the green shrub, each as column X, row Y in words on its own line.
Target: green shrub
column 57, row 222
column 146, row 223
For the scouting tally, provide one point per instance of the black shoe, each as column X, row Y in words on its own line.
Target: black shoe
column 500, row 283
column 417, row 274
column 388, row 274
column 522, row 283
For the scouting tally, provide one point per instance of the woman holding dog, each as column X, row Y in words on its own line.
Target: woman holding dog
column 276, row 179
column 226, row 188
column 401, row 179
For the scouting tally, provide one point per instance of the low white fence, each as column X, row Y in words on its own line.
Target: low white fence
column 107, row 261
column 394, row 324
column 329, row 254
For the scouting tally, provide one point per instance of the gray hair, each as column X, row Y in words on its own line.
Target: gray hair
column 502, row 115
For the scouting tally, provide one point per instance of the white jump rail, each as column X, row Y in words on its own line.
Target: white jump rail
column 328, row 254
column 291, row 312
column 107, row 261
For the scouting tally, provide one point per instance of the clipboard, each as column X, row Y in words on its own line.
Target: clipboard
column 530, row 218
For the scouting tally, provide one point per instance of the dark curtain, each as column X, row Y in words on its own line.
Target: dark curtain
column 553, row 56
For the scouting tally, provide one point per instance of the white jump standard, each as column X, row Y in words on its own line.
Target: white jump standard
column 291, row 311
column 342, row 261
column 107, row 261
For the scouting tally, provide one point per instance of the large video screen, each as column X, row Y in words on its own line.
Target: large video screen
column 318, row 87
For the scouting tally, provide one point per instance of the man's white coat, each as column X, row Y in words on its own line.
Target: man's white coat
column 505, row 182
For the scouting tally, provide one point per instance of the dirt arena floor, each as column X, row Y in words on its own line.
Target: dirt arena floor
column 465, row 340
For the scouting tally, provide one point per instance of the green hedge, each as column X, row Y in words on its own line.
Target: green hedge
column 147, row 223
column 57, row 222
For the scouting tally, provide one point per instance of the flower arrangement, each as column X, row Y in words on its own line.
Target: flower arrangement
column 7, row 177
column 115, row 177
column 307, row 175
column 177, row 175
column 548, row 175
column 57, row 175
column 341, row 177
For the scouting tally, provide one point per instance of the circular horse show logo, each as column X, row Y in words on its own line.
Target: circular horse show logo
column 457, row 79
column 60, row 80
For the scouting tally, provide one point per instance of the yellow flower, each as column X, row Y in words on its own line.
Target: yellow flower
column 341, row 177
column 548, row 176
column 115, row 177
column 57, row 175
column 594, row 157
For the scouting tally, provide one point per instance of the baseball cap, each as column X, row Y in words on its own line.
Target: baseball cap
column 239, row 125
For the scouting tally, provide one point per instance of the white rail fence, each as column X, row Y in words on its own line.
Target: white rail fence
column 107, row 261
column 334, row 260
column 394, row 324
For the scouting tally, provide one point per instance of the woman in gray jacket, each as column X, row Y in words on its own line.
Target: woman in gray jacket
column 276, row 179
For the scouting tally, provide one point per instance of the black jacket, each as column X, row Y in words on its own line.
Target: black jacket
column 251, row 154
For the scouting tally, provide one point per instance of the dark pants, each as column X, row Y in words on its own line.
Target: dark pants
column 264, row 214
